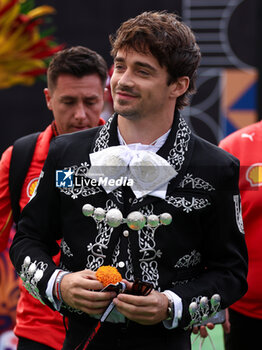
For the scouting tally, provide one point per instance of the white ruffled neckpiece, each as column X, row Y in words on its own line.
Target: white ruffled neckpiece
column 136, row 165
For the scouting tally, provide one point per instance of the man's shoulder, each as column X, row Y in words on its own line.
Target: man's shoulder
column 77, row 138
column 217, row 166
column 5, row 161
column 213, row 154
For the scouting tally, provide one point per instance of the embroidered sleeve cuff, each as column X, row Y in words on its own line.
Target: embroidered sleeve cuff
column 178, row 309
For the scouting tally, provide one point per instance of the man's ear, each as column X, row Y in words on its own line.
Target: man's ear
column 179, row 87
column 48, row 99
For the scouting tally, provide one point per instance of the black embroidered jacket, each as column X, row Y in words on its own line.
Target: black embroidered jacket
column 201, row 253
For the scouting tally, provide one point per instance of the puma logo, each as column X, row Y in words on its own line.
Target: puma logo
column 248, row 136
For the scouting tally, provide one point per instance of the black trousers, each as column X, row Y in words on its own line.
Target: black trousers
column 128, row 336
column 245, row 331
column 27, row 344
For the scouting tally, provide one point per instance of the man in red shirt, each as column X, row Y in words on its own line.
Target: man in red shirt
column 245, row 315
column 75, row 94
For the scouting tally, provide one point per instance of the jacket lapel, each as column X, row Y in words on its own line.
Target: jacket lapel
column 177, row 150
column 107, row 137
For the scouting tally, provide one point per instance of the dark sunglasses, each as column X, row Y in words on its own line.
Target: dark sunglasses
column 141, row 288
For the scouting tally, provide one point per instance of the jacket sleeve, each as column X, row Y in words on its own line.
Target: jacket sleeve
column 223, row 280
column 6, row 218
column 38, row 229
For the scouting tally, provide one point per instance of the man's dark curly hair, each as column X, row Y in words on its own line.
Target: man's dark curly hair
column 168, row 39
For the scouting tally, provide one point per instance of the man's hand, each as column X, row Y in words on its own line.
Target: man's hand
column 203, row 329
column 147, row 310
column 226, row 325
column 80, row 290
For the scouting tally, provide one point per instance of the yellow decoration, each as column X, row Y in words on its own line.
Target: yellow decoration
column 41, row 11
column 23, row 52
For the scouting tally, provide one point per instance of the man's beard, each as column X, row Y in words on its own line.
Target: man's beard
column 128, row 113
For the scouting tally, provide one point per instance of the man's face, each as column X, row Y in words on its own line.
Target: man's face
column 138, row 84
column 76, row 103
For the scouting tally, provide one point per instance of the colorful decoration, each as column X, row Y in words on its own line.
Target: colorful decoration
column 24, row 47
column 108, row 274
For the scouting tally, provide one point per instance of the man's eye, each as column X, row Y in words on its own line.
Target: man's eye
column 119, row 67
column 143, row 72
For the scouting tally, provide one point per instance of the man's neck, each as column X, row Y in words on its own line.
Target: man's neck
column 142, row 131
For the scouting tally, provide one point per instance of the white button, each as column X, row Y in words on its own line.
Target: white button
column 121, row 264
column 126, row 233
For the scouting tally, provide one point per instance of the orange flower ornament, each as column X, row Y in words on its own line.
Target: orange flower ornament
column 108, row 274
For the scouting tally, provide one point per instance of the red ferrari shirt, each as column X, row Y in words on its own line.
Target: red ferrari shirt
column 246, row 145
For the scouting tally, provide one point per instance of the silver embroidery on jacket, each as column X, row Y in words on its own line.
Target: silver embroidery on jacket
column 63, row 267
column 176, row 155
column 31, row 274
column 129, row 273
column 195, row 183
column 134, row 201
column 103, row 138
column 188, row 260
column 147, row 245
column 188, row 205
column 118, row 195
column 115, row 254
column 238, row 212
column 150, row 272
column 180, row 283
column 65, row 249
column 98, row 248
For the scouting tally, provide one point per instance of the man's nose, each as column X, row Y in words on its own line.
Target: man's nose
column 126, row 79
column 80, row 112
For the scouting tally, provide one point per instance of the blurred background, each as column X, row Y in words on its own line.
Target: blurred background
column 228, row 32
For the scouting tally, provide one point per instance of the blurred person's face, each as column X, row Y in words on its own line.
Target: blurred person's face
column 76, row 103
